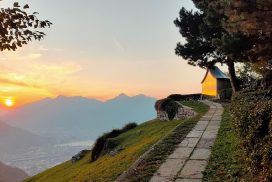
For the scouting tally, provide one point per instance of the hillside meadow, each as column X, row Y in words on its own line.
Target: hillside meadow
column 107, row 168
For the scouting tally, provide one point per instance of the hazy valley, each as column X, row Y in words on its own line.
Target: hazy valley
column 42, row 134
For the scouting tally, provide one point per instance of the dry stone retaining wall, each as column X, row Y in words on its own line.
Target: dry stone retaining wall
column 183, row 112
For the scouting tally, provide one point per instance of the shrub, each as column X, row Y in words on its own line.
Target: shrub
column 176, row 97
column 80, row 155
column 169, row 106
column 252, row 119
column 160, row 105
column 225, row 94
column 172, row 109
column 105, row 143
column 129, row 126
column 179, row 97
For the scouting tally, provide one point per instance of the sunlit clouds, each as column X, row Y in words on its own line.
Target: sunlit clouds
column 118, row 47
column 28, row 77
column 40, row 75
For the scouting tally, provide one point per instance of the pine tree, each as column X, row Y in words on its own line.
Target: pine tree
column 207, row 42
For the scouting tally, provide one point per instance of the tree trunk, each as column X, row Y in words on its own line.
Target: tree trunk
column 233, row 78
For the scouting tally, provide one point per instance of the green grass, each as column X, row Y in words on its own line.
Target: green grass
column 108, row 168
column 225, row 163
column 166, row 146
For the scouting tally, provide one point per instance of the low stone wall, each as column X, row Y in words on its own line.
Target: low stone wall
column 183, row 112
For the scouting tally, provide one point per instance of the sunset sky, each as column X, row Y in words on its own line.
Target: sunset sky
column 98, row 49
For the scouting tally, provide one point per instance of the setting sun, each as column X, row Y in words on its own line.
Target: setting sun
column 9, row 103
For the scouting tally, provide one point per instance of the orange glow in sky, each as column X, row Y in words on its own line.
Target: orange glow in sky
column 135, row 56
column 9, row 102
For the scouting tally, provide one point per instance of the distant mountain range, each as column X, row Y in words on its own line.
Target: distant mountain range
column 67, row 119
column 11, row 174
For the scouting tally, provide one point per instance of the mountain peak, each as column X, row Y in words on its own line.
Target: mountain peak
column 122, row 95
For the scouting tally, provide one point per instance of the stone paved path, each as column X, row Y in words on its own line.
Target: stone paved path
column 191, row 156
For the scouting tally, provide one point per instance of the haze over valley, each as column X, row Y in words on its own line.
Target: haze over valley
column 42, row 134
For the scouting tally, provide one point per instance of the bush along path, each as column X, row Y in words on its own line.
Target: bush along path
column 191, row 156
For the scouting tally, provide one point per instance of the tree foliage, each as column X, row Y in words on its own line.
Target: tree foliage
column 207, row 42
column 248, row 77
column 228, row 32
column 252, row 19
column 18, row 27
column 198, row 49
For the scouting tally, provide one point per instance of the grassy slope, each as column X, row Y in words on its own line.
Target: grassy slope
column 225, row 164
column 108, row 168
column 166, row 146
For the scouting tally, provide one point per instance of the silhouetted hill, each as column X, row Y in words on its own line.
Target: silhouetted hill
column 11, row 174
column 13, row 139
column 77, row 118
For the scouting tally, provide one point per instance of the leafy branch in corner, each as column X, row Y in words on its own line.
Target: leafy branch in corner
column 18, row 27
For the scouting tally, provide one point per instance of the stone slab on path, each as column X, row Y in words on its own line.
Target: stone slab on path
column 195, row 134
column 189, row 142
column 181, row 153
column 201, row 154
column 193, row 169
column 205, row 143
column 191, row 156
column 170, row 168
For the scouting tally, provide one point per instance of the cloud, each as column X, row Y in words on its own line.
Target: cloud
column 61, row 69
column 37, row 75
column 33, row 56
column 15, row 80
column 42, row 48
column 19, row 56
column 58, row 49
column 119, row 45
